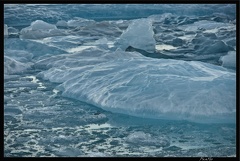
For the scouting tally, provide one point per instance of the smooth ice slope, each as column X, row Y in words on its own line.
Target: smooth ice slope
column 139, row 34
column 127, row 82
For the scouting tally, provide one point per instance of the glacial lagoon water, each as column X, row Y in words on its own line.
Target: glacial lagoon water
column 101, row 80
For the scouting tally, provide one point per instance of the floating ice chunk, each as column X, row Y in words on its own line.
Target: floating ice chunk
column 141, row 138
column 139, row 34
column 91, row 28
column 19, row 55
column 10, row 77
column 79, row 22
column 13, row 32
column 29, row 47
column 12, row 66
column 208, row 25
column 62, row 23
column 161, row 18
column 12, row 110
column 39, row 24
column 229, row 60
column 216, row 47
column 72, row 152
column 204, row 24
column 231, row 42
column 5, row 30
column 129, row 83
column 103, row 43
column 96, row 154
column 16, row 84
column 40, row 29
column 177, row 42
column 165, row 47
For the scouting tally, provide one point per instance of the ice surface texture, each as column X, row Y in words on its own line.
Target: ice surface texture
column 89, row 60
column 127, row 82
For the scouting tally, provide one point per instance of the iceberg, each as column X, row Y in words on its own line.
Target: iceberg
column 129, row 83
column 139, row 34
